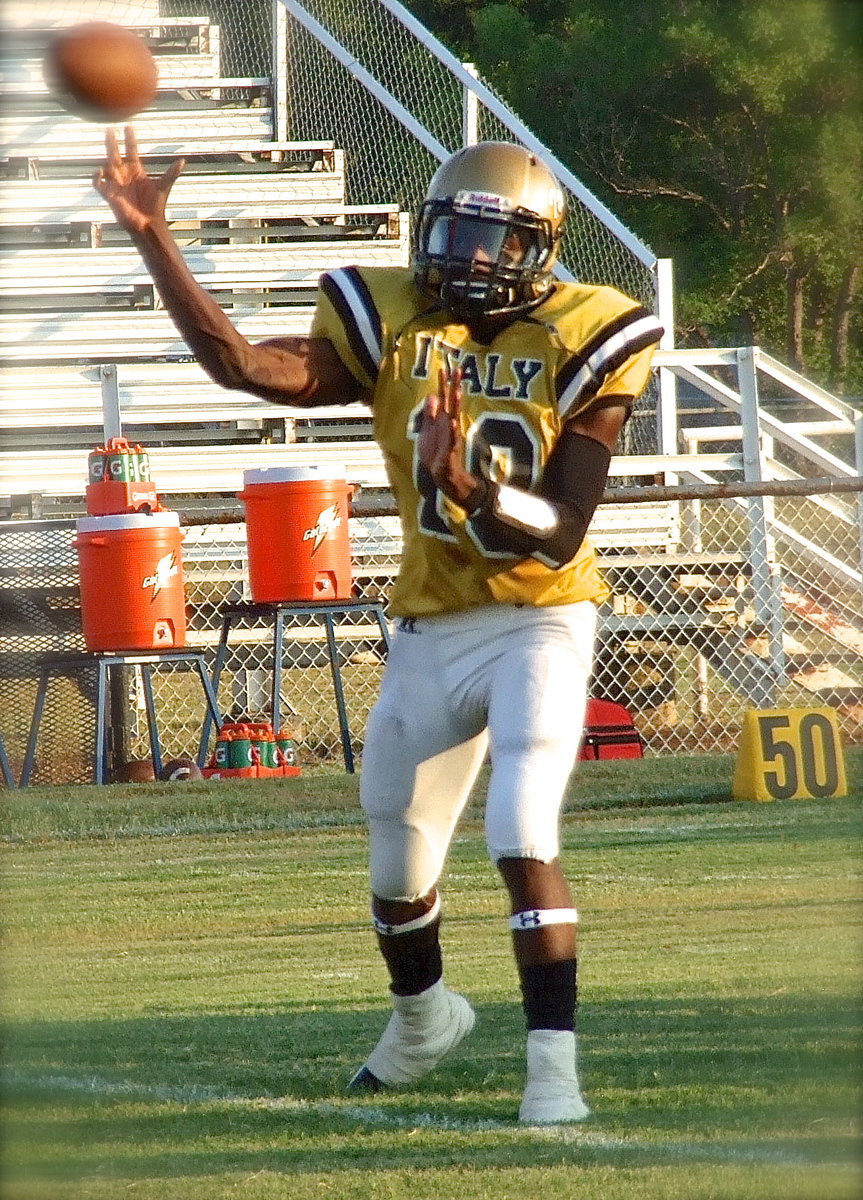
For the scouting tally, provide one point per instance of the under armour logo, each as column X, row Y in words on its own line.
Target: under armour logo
column 529, row 920
column 408, row 625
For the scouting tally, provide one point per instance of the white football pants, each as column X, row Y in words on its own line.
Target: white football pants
column 509, row 679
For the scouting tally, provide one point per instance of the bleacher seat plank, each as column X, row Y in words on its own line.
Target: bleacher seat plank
column 112, row 336
column 100, row 271
column 219, row 468
column 25, row 76
column 42, row 161
column 158, row 131
column 208, row 83
column 626, row 527
column 149, row 393
column 275, row 194
column 136, row 14
column 175, row 471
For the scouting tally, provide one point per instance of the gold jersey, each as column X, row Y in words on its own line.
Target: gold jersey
column 580, row 344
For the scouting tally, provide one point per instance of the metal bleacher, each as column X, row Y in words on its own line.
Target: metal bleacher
column 105, row 272
column 258, row 221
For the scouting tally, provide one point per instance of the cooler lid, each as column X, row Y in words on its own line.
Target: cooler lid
column 138, row 520
column 292, row 474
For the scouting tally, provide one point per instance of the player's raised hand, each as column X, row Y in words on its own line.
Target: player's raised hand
column 440, row 433
column 441, row 445
column 136, row 198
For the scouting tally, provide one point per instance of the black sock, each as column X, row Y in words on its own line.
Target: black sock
column 414, row 959
column 550, row 994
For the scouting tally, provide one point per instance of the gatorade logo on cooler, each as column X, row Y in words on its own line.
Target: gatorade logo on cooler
column 166, row 567
column 328, row 519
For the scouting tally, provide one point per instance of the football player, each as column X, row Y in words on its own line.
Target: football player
column 498, row 395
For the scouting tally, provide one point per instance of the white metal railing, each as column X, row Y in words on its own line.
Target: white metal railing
column 777, row 449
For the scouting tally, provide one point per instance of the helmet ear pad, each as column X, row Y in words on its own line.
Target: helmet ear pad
column 488, row 232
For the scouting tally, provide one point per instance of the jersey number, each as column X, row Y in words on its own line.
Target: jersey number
column 500, row 446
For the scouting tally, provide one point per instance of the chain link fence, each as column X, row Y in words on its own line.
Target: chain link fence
column 684, row 643
column 347, row 101
column 719, row 604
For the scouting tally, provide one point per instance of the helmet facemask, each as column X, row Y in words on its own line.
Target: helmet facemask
column 481, row 257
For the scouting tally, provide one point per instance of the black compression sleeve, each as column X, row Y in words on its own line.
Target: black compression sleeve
column 572, row 483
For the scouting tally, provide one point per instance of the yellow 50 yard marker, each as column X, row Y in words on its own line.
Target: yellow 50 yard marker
column 789, row 754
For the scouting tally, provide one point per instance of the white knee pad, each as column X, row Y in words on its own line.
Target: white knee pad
column 535, row 722
column 412, row 810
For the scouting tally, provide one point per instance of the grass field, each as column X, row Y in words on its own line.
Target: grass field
column 190, row 978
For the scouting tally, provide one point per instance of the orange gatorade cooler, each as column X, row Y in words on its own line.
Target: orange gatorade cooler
column 297, row 534
column 130, row 570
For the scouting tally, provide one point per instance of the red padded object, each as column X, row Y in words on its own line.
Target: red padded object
column 609, row 732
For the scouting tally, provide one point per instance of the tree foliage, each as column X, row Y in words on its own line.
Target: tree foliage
column 729, row 136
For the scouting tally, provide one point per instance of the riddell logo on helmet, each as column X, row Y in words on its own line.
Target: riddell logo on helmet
column 329, row 519
column 482, row 200
column 166, row 568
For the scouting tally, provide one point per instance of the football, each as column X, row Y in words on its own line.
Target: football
column 180, row 770
column 101, row 72
column 136, row 770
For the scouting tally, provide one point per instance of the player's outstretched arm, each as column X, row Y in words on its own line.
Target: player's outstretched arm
column 284, row 370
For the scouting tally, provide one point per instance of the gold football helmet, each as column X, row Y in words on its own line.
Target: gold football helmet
column 489, row 230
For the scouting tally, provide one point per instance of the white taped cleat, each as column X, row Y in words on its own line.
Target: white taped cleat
column 422, row 1030
column 552, row 1095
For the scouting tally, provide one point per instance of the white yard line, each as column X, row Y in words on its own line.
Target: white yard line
column 384, row 1117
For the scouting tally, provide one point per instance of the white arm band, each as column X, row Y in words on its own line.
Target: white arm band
column 525, row 511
